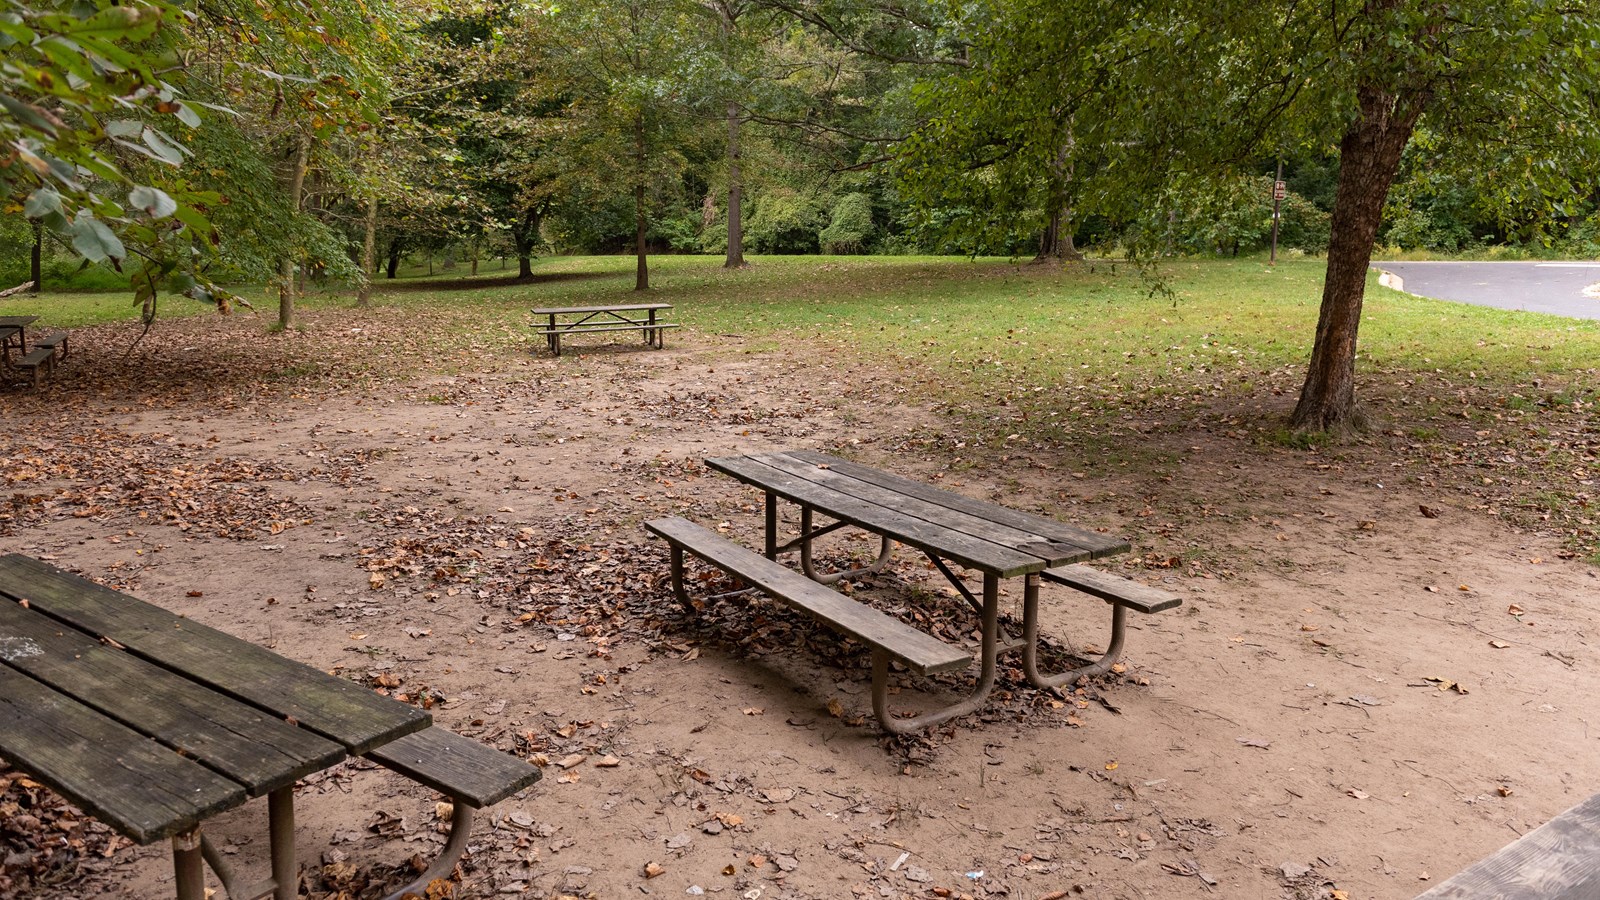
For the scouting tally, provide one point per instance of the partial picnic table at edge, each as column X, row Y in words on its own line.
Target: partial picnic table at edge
column 561, row 321
column 153, row 723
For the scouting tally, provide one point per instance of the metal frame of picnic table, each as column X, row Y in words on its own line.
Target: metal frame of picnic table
column 555, row 330
column 1047, row 551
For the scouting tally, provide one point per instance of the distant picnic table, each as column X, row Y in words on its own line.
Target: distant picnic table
column 153, row 723
column 996, row 541
column 564, row 321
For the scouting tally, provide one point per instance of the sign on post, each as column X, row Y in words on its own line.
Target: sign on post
column 1280, row 190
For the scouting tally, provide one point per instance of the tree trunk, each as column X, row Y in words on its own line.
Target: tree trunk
column 36, row 261
column 1369, row 158
column 393, row 266
column 297, row 182
column 474, row 256
column 641, row 277
column 369, row 248
column 735, row 194
column 524, row 234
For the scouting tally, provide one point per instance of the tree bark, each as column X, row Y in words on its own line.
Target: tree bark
column 1369, row 158
column 641, row 277
column 393, row 267
column 524, row 234
column 286, row 280
column 735, row 194
column 369, row 248
column 36, row 261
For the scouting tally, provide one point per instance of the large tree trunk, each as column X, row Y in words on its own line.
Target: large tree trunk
column 735, row 194
column 1056, row 242
column 641, row 277
column 524, row 235
column 1369, row 158
column 36, row 261
column 393, row 267
column 369, row 249
column 286, row 280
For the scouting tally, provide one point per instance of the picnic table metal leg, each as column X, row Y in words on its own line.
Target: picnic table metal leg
column 188, row 866
column 1030, row 646
column 986, row 676
column 806, row 534
column 460, row 831
column 280, row 828
column 772, row 525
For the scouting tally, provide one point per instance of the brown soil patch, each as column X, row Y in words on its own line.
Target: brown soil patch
column 472, row 541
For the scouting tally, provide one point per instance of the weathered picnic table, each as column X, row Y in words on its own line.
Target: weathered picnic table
column 154, row 723
column 569, row 320
column 994, row 540
column 1559, row 860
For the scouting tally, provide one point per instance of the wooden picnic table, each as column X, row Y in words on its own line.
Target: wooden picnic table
column 153, row 723
column 15, row 328
column 568, row 320
column 994, row 540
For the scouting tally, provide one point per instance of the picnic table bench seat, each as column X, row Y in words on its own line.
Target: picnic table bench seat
column 1123, row 594
column 40, row 361
column 921, row 652
column 1559, row 860
column 568, row 320
column 56, row 340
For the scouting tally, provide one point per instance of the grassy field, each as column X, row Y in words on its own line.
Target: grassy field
column 1011, row 350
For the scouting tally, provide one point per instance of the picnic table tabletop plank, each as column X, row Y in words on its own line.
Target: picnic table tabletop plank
column 1098, row 545
column 1559, row 860
column 584, row 310
column 260, row 751
column 341, row 710
column 944, row 516
column 126, row 780
column 965, row 549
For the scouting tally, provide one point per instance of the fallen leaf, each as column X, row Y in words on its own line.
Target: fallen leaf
column 571, row 760
column 1514, row 610
column 1252, row 742
column 607, row 762
column 376, row 580
column 1499, row 645
column 1359, row 795
column 835, row 708
column 1111, row 766
column 652, row 869
column 754, row 711
column 1503, row 791
column 1429, row 512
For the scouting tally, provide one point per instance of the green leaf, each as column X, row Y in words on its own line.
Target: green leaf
column 30, row 115
column 153, row 201
column 187, row 115
column 166, row 149
column 41, row 203
column 95, row 241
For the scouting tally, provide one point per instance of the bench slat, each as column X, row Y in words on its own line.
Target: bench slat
column 942, row 515
column 582, row 310
column 922, row 652
column 333, row 707
column 130, row 782
column 1113, row 588
column 1559, row 860
column 35, row 358
column 965, row 549
column 544, row 330
column 474, row 773
column 260, row 751
column 1096, row 544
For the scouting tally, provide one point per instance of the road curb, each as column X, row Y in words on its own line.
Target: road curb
column 1391, row 280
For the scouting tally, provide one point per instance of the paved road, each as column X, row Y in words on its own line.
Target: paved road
column 1549, row 287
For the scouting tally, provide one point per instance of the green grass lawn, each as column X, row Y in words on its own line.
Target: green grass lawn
column 1011, row 349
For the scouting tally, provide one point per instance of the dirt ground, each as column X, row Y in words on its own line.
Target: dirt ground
column 1356, row 699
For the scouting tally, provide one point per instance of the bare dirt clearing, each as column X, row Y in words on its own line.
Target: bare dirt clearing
column 471, row 542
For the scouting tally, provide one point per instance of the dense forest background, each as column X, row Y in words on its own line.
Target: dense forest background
column 321, row 141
